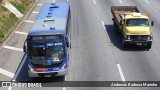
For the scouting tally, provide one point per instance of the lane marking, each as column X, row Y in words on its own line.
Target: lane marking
column 20, row 67
column 35, row 12
column 28, row 21
column 147, row 1
column 121, row 1
column 103, row 24
column 9, row 88
column 18, row 32
column 39, row 4
column 120, row 72
column 94, row 1
column 13, row 48
column 6, row 73
column 64, row 88
column 65, row 78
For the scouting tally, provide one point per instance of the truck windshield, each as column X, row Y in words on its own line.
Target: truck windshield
column 46, row 50
column 137, row 22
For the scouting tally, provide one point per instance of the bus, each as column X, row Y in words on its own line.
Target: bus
column 48, row 41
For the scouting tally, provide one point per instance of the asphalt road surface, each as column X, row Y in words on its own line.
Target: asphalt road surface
column 96, row 53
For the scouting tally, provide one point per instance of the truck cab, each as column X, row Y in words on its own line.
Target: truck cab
column 136, row 30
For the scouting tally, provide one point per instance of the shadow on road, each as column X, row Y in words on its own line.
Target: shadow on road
column 116, row 40
column 23, row 75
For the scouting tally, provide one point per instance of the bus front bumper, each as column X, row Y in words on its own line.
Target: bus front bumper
column 61, row 72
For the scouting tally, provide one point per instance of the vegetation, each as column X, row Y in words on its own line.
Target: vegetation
column 22, row 5
column 8, row 19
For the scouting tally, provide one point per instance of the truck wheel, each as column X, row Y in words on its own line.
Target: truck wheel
column 149, row 46
column 124, row 45
column 116, row 29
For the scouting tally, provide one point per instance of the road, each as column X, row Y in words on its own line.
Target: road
column 96, row 53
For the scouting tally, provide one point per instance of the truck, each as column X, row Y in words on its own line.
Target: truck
column 133, row 25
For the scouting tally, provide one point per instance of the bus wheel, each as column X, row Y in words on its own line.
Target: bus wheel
column 64, row 78
column 70, row 41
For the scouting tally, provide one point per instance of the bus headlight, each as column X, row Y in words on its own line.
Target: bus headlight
column 64, row 66
column 31, row 69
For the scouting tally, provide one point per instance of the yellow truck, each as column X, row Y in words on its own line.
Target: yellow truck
column 133, row 25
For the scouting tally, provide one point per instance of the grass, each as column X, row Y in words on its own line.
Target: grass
column 8, row 20
column 23, row 6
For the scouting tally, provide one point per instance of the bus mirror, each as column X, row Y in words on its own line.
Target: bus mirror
column 24, row 48
column 152, row 23
column 67, row 43
column 121, row 22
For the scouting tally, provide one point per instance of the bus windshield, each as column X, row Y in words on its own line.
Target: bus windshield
column 137, row 22
column 47, row 50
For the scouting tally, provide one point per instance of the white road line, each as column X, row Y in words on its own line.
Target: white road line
column 35, row 12
column 65, row 77
column 28, row 21
column 13, row 48
column 19, row 68
column 39, row 4
column 103, row 24
column 121, row 1
column 64, row 88
column 94, row 1
column 18, row 32
column 6, row 73
column 147, row 1
column 9, row 88
column 120, row 72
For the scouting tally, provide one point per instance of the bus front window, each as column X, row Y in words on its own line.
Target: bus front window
column 55, row 52
column 46, row 50
column 37, row 51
